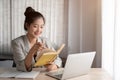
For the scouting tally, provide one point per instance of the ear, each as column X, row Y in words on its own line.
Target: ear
column 27, row 25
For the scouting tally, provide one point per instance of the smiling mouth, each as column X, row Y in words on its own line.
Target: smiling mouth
column 37, row 34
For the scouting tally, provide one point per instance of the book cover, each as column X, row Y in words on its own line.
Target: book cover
column 47, row 56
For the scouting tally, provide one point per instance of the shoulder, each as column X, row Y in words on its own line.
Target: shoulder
column 18, row 39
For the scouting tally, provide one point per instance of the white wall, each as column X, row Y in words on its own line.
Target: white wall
column 108, row 17
column 111, row 37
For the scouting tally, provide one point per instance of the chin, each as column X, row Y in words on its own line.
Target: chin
column 37, row 36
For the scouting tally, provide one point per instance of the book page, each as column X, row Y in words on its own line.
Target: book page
column 8, row 74
column 19, row 74
column 31, row 74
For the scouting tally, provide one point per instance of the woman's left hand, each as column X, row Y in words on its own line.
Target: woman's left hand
column 51, row 67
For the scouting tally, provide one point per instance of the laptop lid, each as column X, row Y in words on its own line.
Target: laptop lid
column 78, row 64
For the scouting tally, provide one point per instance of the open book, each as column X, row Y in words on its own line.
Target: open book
column 13, row 73
column 47, row 55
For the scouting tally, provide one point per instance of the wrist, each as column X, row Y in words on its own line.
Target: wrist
column 32, row 53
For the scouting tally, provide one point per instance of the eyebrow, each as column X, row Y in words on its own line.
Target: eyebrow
column 37, row 24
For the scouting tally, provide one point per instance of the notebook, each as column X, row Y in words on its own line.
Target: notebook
column 76, row 65
column 13, row 73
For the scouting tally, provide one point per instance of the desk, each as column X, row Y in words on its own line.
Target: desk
column 94, row 74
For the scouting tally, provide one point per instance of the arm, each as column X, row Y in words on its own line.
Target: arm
column 18, row 55
column 23, row 60
column 54, row 65
column 32, row 52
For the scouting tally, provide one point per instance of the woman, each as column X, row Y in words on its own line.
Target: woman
column 26, row 47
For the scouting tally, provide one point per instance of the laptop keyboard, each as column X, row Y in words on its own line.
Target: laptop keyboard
column 58, row 75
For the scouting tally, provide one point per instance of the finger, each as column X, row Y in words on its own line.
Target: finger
column 39, row 44
column 43, row 41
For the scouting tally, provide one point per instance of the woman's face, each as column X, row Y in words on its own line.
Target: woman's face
column 35, row 29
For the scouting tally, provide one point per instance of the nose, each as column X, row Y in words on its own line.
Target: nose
column 39, row 29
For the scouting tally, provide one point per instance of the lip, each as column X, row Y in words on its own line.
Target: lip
column 37, row 33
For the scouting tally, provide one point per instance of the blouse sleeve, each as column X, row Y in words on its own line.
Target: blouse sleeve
column 19, row 56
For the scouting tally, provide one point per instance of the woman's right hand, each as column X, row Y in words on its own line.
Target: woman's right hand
column 37, row 47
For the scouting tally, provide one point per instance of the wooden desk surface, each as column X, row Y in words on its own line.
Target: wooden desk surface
column 94, row 74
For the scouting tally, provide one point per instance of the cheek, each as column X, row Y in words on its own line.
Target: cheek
column 34, row 29
column 41, row 29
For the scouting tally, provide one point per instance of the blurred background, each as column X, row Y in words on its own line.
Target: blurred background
column 83, row 25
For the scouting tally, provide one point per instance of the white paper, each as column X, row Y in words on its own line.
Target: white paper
column 31, row 74
column 18, row 74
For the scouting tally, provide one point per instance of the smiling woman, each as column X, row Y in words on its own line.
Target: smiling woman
column 73, row 22
column 12, row 22
column 26, row 47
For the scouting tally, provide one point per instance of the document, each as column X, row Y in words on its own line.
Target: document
column 19, row 74
column 32, row 74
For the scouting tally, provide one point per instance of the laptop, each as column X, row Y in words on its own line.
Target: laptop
column 76, row 65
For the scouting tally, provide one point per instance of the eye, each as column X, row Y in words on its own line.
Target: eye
column 41, row 27
column 35, row 26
